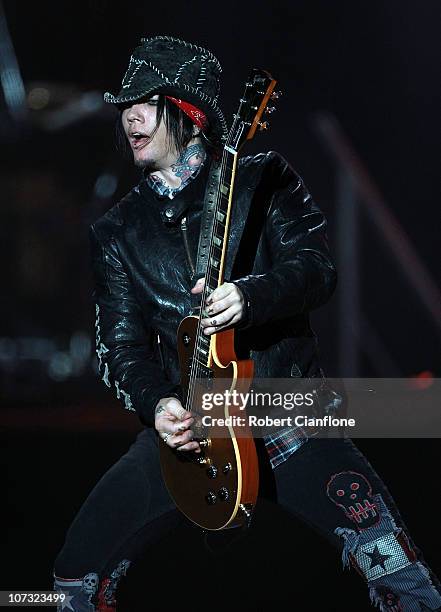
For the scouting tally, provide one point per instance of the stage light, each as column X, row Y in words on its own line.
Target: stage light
column 38, row 98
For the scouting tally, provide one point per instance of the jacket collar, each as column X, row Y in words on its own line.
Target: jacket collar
column 191, row 196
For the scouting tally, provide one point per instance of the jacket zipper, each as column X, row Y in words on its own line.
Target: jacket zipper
column 187, row 246
column 161, row 356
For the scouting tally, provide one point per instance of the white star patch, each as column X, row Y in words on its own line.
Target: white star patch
column 381, row 556
column 66, row 601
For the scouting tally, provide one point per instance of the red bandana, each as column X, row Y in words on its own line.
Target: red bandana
column 196, row 115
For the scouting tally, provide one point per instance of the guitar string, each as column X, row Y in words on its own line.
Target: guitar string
column 195, row 366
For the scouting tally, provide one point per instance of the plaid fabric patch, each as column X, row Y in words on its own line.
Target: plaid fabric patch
column 283, row 444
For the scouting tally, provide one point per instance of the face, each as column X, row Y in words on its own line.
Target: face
column 151, row 149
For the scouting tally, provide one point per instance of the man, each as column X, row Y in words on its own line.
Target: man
column 279, row 268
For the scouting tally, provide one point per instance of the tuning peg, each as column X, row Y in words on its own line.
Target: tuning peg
column 263, row 125
column 270, row 109
column 275, row 95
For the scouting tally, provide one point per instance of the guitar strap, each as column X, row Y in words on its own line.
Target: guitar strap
column 207, row 221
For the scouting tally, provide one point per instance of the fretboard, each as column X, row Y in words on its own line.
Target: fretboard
column 214, row 276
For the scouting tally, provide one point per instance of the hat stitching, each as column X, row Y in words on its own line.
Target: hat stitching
column 127, row 71
column 211, row 101
column 181, row 68
column 186, row 44
column 139, row 64
column 134, row 71
column 202, row 72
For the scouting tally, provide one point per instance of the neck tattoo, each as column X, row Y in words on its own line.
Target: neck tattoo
column 186, row 168
column 188, row 162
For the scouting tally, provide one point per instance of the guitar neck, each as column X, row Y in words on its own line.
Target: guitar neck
column 259, row 90
column 221, row 224
column 214, row 276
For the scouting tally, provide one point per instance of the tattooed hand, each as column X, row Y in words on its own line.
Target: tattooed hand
column 225, row 307
column 173, row 423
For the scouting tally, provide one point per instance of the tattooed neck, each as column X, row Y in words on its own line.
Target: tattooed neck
column 179, row 173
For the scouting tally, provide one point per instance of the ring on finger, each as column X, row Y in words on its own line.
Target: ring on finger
column 165, row 437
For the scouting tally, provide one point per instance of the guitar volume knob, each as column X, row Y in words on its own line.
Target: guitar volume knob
column 211, row 498
column 224, row 494
column 212, row 471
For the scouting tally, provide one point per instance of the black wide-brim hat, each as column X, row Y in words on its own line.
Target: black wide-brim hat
column 166, row 65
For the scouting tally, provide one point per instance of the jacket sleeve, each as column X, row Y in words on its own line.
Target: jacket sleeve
column 302, row 274
column 124, row 343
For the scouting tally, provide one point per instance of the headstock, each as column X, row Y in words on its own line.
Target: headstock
column 259, row 93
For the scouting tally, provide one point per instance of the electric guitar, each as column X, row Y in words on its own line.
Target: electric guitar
column 218, row 487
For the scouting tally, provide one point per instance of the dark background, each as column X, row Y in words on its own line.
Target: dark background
column 374, row 66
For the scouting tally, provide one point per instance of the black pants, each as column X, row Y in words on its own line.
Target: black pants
column 327, row 483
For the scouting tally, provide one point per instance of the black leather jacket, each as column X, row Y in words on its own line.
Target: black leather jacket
column 277, row 254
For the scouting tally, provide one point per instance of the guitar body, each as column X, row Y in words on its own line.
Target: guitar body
column 217, row 488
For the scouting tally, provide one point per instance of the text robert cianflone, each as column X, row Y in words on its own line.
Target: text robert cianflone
column 288, row 401
column 300, row 420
